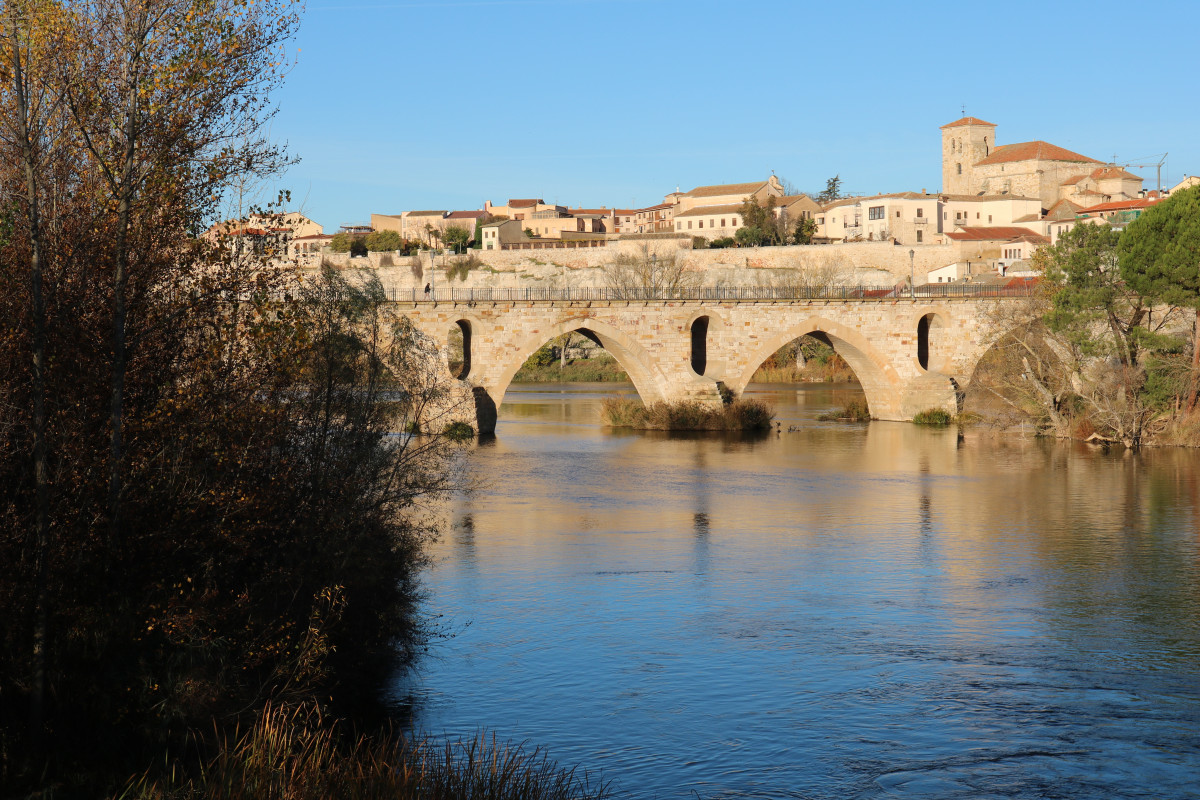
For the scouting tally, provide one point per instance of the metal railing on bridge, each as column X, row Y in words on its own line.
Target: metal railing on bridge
column 713, row 293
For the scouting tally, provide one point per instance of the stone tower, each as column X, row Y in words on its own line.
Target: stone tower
column 964, row 142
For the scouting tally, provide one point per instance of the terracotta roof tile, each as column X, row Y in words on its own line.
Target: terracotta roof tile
column 994, row 234
column 1121, row 205
column 1108, row 173
column 1063, row 210
column 1028, row 151
column 708, row 211
column 726, row 188
column 523, row 203
column 983, row 198
column 466, row 214
column 968, row 121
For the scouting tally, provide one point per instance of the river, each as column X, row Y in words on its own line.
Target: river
column 836, row 611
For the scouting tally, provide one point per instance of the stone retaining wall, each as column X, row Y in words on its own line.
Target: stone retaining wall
column 866, row 263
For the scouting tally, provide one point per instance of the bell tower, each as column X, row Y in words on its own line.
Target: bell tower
column 965, row 142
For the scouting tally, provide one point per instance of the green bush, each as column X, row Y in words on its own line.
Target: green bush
column 459, row 432
column 546, row 355
column 723, row 241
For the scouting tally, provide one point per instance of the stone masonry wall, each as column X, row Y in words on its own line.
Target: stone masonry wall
column 864, row 263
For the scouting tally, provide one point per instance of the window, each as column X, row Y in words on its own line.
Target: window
column 897, row 215
column 821, row 220
column 989, row 219
column 733, row 223
column 945, row 215
column 722, row 223
column 875, row 212
column 976, row 215
column 919, row 238
column 689, row 224
column 699, row 223
column 678, row 226
column 920, row 213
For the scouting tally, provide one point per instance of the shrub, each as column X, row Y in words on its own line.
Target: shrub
column 933, row 416
column 459, row 432
column 854, row 411
column 687, row 415
column 723, row 241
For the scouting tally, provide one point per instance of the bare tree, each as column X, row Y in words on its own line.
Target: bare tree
column 650, row 275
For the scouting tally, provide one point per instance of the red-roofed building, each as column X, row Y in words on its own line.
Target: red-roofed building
column 974, row 163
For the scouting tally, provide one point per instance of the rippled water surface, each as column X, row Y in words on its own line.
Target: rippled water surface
column 870, row 610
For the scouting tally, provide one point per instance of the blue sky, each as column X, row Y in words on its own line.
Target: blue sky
column 417, row 104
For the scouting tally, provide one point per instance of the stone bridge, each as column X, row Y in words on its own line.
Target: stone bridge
column 909, row 353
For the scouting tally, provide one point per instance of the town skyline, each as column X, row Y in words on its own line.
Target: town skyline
column 618, row 104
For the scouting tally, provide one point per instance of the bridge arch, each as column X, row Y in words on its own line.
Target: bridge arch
column 878, row 378
column 645, row 376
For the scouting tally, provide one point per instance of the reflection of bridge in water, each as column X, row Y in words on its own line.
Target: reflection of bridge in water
column 909, row 352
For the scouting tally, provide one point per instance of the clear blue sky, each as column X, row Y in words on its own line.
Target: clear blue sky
column 419, row 104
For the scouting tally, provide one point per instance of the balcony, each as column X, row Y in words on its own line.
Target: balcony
column 920, row 220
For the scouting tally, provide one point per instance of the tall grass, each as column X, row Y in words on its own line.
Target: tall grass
column 740, row 415
column 933, row 416
column 297, row 754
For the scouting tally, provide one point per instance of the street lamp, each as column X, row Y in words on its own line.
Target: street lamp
column 912, row 285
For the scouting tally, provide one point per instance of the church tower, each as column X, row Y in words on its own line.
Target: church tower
column 964, row 142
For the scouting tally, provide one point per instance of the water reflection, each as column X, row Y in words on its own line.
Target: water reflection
column 843, row 611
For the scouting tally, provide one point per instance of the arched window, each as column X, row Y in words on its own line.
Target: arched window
column 700, row 345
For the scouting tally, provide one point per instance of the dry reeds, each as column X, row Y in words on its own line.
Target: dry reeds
column 296, row 754
column 740, row 415
column 854, row 411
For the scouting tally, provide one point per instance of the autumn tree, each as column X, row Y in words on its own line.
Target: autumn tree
column 201, row 506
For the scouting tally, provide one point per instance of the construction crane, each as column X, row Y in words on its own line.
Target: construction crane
column 1162, row 159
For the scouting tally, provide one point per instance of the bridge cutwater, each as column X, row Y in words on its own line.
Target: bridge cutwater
column 910, row 351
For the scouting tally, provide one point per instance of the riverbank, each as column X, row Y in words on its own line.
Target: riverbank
column 601, row 368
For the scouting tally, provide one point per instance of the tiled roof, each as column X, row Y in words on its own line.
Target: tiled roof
column 968, row 121
column 466, row 214
column 999, row 233
column 427, row 213
column 1027, row 218
column 313, row 236
column 849, row 201
column 983, row 198
column 1121, row 205
column 1028, row 151
column 726, row 188
column 1063, row 209
column 1109, row 173
column 1075, row 180
column 603, row 212
column 523, row 203
column 708, row 211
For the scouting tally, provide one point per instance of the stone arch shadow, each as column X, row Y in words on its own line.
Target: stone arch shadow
column 647, row 379
column 878, row 378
